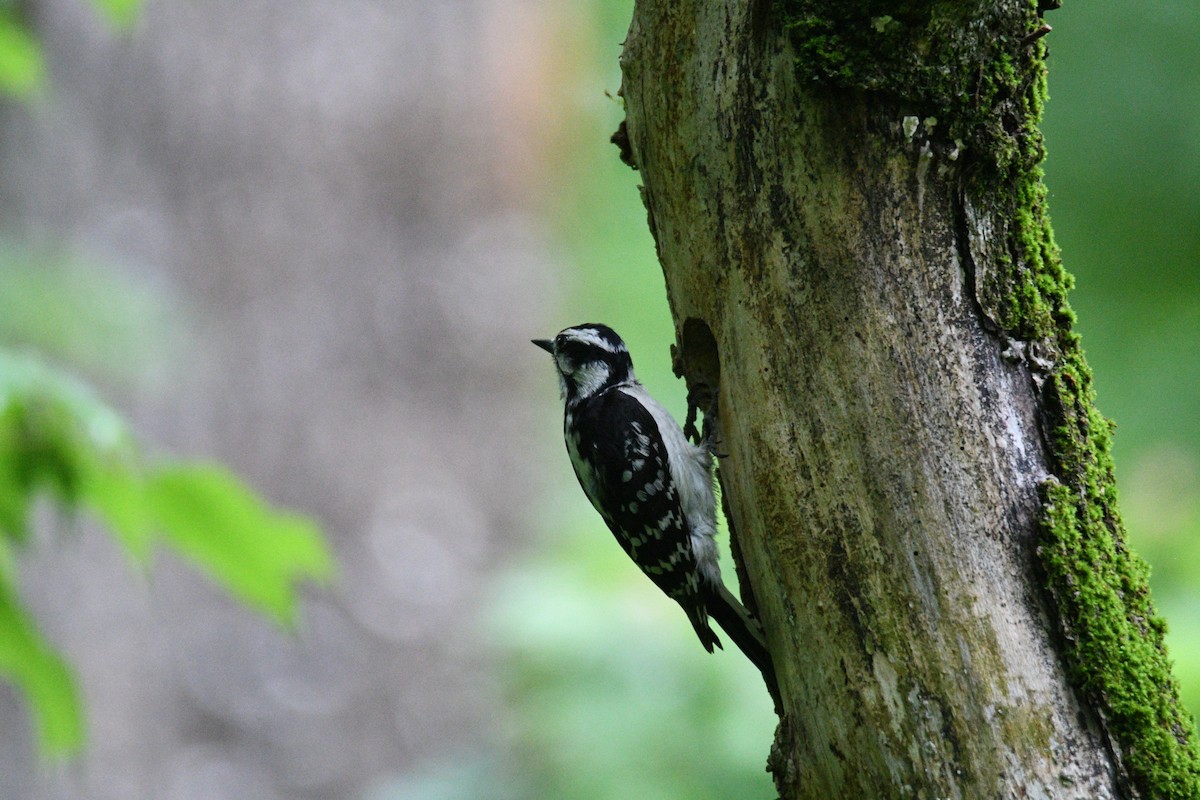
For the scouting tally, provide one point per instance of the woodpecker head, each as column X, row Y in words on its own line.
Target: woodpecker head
column 589, row 358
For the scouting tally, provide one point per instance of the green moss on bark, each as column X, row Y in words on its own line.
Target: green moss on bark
column 1113, row 635
column 954, row 60
column 1115, row 639
column 979, row 69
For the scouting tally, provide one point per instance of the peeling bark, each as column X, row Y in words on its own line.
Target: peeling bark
column 860, row 271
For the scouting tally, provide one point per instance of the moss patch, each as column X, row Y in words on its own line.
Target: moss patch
column 957, row 61
column 979, row 69
column 1113, row 635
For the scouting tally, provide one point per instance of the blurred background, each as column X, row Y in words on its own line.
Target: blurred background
column 312, row 240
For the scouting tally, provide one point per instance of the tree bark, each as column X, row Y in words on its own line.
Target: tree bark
column 849, row 212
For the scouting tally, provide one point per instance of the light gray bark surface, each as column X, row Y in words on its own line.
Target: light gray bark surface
column 881, row 444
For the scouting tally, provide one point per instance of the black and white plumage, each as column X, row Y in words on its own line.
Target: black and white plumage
column 652, row 486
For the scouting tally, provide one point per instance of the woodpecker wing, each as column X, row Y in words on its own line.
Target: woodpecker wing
column 621, row 462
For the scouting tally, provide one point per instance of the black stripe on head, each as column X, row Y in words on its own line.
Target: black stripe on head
column 596, row 335
column 591, row 357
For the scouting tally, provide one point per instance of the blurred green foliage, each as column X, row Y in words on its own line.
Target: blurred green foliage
column 36, row 669
column 56, row 302
column 22, row 66
column 120, row 13
column 58, row 441
column 615, row 696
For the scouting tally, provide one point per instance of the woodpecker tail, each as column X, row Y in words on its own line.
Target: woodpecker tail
column 745, row 631
column 699, row 621
column 739, row 625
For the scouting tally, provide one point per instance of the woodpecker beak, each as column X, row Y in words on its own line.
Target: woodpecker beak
column 545, row 344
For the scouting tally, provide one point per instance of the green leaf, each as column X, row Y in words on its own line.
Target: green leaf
column 14, row 494
column 32, row 664
column 56, row 437
column 258, row 554
column 21, row 66
column 117, row 493
column 23, row 377
column 54, row 434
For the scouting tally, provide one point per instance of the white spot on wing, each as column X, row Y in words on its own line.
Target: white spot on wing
column 691, row 479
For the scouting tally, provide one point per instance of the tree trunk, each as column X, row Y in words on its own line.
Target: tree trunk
column 848, row 208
